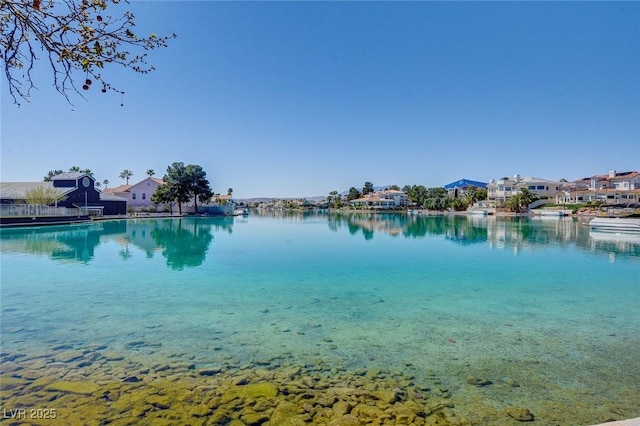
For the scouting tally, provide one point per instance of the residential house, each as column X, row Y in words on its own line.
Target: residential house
column 399, row 197
column 612, row 188
column 386, row 199
column 138, row 195
column 501, row 190
column 78, row 191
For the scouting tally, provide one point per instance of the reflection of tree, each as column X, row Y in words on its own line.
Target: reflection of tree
column 75, row 243
column 184, row 242
column 462, row 231
column 125, row 253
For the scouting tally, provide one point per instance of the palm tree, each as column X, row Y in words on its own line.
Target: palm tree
column 519, row 202
column 126, row 174
column 106, row 183
column 76, row 169
column 151, row 172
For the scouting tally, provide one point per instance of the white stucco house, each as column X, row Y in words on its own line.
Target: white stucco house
column 499, row 190
column 139, row 194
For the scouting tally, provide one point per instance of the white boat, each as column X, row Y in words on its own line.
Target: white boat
column 480, row 212
column 240, row 212
column 549, row 212
column 625, row 225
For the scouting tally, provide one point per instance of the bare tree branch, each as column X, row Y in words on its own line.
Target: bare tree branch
column 75, row 37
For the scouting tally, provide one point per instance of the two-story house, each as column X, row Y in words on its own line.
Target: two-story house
column 139, row 194
column 612, row 188
column 388, row 198
column 500, row 190
column 77, row 190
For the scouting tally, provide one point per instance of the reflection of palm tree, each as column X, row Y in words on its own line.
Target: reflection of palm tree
column 125, row 253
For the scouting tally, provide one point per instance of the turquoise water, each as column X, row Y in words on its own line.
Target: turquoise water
column 538, row 302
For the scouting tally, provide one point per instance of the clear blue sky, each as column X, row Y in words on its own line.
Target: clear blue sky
column 294, row 99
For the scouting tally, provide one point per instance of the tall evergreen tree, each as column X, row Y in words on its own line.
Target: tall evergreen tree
column 368, row 188
column 198, row 185
column 176, row 182
column 354, row 194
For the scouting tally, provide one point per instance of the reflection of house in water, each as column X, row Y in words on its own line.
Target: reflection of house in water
column 467, row 230
column 139, row 233
column 74, row 243
column 369, row 223
column 531, row 232
column 183, row 242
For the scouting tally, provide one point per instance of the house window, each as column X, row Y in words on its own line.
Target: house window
column 144, row 196
column 532, row 187
column 540, row 187
column 133, row 196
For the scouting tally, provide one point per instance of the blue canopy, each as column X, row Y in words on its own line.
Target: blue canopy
column 464, row 183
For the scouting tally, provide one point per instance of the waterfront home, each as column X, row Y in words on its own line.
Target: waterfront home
column 612, row 188
column 399, row 198
column 77, row 191
column 614, row 180
column 500, row 190
column 385, row 197
column 138, row 195
column 371, row 202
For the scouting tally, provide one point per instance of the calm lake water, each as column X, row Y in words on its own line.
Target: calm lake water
column 485, row 312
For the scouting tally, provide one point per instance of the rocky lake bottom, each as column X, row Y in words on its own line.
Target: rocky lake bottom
column 142, row 384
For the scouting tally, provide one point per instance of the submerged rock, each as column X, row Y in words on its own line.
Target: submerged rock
column 112, row 356
column 68, row 356
column 85, row 388
column 520, row 414
column 212, row 371
column 286, row 414
column 346, row 420
column 511, row 382
column 473, row 380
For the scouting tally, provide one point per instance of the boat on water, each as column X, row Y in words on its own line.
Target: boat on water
column 241, row 212
column 553, row 213
column 624, row 225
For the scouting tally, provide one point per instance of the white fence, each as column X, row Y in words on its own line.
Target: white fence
column 32, row 210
